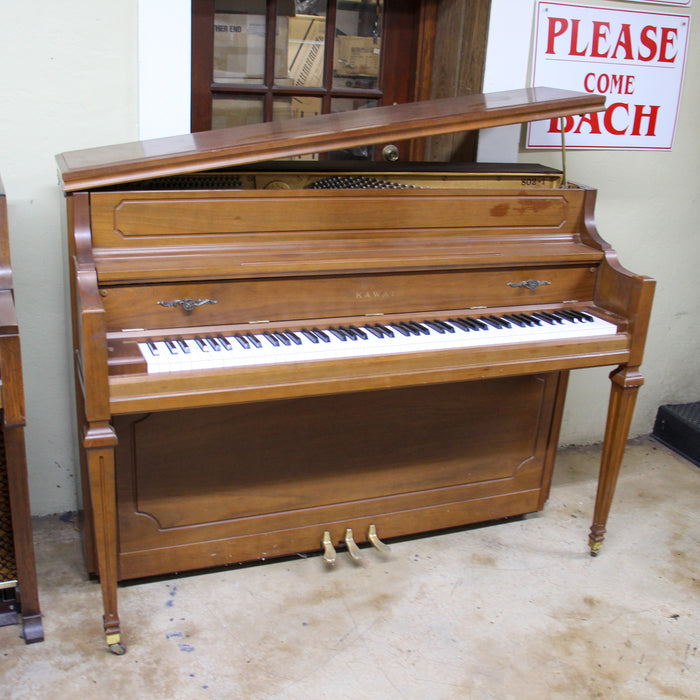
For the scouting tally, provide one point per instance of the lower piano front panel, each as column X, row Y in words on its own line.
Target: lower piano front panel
column 207, row 487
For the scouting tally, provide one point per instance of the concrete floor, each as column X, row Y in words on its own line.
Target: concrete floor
column 517, row 610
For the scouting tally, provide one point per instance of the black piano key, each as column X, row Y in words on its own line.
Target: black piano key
column 435, row 326
column 224, row 343
column 152, row 347
column 473, row 324
column 412, row 330
column 349, row 333
column 293, row 337
column 213, row 343
column 566, row 315
column 587, row 317
column 172, row 347
column 420, row 327
column 542, row 317
column 310, row 335
column 445, row 326
column 201, row 344
column 505, row 323
column 581, row 316
column 526, row 319
column 282, row 338
column 375, row 331
column 253, row 340
column 271, row 339
column 182, row 343
column 322, row 335
column 401, row 329
column 489, row 321
column 338, row 333
column 514, row 319
column 552, row 318
column 359, row 332
column 385, row 329
column 460, row 324
column 535, row 321
column 243, row 342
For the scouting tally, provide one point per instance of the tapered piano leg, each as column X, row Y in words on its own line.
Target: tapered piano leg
column 100, row 441
column 623, row 394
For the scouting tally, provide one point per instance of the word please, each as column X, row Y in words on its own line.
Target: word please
column 599, row 40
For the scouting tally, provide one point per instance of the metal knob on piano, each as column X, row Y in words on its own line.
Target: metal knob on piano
column 529, row 284
column 188, row 304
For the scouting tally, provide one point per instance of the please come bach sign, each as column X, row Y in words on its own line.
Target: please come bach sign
column 636, row 59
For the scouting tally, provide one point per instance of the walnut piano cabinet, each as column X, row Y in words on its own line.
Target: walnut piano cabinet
column 196, row 238
column 17, row 565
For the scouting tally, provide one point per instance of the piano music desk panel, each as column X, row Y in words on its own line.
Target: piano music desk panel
column 402, row 346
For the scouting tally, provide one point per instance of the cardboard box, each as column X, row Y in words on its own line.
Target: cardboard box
column 357, row 55
column 239, row 47
column 307, row 38
column 306, row 107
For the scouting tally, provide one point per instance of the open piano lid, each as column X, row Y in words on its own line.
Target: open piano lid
column 253, row 143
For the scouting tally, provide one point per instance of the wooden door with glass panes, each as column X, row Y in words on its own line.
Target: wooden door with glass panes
column 267, row 60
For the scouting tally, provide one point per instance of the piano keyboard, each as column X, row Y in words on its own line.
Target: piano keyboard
column 350, row 341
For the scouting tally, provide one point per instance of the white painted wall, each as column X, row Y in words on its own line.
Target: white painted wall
column 71, row 79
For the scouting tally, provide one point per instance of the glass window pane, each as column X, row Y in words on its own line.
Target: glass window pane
column 236, row 112
column 358, row 41
column 346, row 104
column 295, row 107
column 306, row 44
column 239, row 45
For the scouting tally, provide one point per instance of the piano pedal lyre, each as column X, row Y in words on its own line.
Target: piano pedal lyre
column 328, row 549
column 376, row 542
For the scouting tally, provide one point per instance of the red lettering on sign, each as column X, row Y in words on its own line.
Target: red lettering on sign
column 648, row 42
column 557, row 26
column 639, row 115
column 601, row 30
column 668, row 38
column 624, row 41
column 616, row 121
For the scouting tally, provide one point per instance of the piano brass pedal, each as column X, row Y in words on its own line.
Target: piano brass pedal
column 328, row 549
column 376, row 542
column 353, row 549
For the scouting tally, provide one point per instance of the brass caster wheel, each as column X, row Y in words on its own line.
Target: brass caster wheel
column 119, row 648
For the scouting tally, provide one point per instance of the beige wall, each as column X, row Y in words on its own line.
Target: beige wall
column 69, row 81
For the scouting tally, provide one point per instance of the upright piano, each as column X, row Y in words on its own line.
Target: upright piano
column 19, row 597
column 275, row 355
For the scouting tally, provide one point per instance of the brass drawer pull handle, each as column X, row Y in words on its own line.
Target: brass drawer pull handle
column 187, row 303
column 530, row 284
